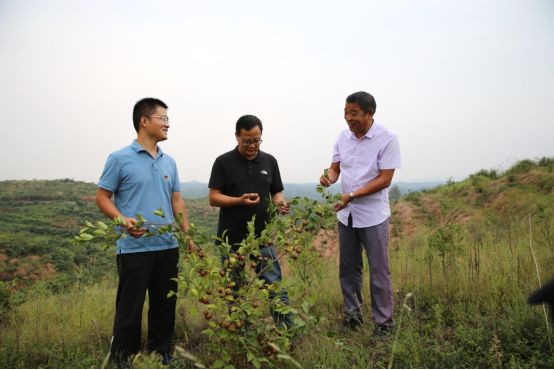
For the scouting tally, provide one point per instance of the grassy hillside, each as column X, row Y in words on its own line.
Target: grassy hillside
column 482, row 229
column 462, row 265
column 38, row 219
column 485, row 197
column 37, row 222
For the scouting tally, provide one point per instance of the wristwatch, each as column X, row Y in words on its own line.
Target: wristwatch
column 351, row 196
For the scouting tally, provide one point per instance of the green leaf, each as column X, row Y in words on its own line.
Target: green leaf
column 226, row 356
column 89, row 224
column 86, row 237
column 101, row 225
column 159, row 212
column 218, row 364
column 119, row 220
column 256, row 363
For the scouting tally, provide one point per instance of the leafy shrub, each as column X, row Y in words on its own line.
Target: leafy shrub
column 521, row 166
column 5, row 299
column 241, row 311
column 547, row 162
column 414, row 197
column 491, row 174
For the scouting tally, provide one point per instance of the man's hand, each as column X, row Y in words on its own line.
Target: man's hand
column 324, row 179
column 345, row 199
column 330, row 175
column 250, row 199
column 130, row 225
column 284, row 208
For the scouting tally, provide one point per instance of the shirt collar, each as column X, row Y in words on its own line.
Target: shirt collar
column 243, row 158
column 369, row 134
column 139, row 148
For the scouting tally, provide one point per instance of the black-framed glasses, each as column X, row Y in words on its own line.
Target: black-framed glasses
column 165, row 119
column 248, row 142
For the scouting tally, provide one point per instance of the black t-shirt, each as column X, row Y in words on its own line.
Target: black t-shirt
column 234, row 175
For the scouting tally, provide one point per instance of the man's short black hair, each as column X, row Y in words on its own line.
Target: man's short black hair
column 248, row 122
column 365, row 100
column 145, row 107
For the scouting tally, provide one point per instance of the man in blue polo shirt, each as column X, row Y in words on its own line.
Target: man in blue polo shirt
column 142, row 179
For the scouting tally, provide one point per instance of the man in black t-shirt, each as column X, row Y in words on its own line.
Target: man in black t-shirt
column 241, row 183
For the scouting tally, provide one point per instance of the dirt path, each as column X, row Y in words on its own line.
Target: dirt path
column 403, row 216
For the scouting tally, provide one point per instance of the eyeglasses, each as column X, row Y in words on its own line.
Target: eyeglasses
column 164, row 119
column 249, row 142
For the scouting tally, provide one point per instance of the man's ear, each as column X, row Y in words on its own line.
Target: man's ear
column 143, row 121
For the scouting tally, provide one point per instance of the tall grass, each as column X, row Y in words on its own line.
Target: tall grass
column 471, row 314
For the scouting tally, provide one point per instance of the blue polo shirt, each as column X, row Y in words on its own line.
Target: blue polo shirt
column 142, row 184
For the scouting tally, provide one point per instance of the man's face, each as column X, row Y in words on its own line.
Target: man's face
column 157, row 124
column 249, row 142
column 358, row 121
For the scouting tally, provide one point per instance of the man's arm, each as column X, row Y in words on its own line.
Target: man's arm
column 107, row 206
column 333, row 173
column 218, row 199
column 279, row 200
column 179, row 208
column 377, row 184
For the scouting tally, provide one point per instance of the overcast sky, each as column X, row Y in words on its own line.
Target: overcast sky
column 466, row 85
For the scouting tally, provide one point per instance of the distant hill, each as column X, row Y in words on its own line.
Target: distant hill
column 195, row 189
column 38, row 219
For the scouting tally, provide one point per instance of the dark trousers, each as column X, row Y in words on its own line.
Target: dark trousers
column 268, row 270
column 139, row 272
column 374, row 240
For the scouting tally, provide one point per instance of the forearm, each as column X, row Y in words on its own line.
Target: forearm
column 371, row 188
column 278, row 198
column 179, row 208
column 333, row 173
column 379, row 183
column 218, row 199
column 106, row 205
column 222, row 200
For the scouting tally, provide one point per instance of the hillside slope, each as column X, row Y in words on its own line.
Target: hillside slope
column 486, row 197
column 38, row 219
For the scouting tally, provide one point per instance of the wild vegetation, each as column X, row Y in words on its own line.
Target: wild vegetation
column 464, row 258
